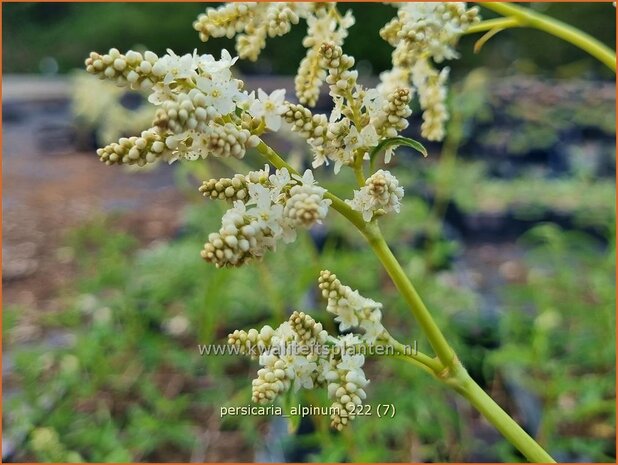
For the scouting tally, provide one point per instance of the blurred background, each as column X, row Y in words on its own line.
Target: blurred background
column 507, row 230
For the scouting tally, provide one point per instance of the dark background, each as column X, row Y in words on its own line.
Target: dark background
column 67, row 32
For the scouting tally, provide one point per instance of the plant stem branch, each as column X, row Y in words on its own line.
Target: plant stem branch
column 489, row 24
column 501, row 420
column 372, row 232
column 359, row 172
column 415, row 362
column 407, row 290
column 528, row 18
column 430, row 364
column 447, row 367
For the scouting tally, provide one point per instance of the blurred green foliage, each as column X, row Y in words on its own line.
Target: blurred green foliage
column 128, row 389
column 559, row 339
column 67, row 32
column 530, row 197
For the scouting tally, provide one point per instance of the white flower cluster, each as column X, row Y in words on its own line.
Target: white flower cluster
column 202, row 110
column 421, row 32
column 133, row 69
column 324, row 25
column 301, row 354
column 360, row 120
column 381, row 194
column 253, row 23
column 431, row 85
column 226, row 188
column 266, row 207
column 147, row 148
column 429, row 29
column 351, row 309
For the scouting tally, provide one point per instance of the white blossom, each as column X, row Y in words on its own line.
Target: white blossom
column 365, row 139
column 347, row 341
column 268, row 214
column 220, row 94
column 173, row 67
column 351, row 362
column 160, row 93
column 373, row 330
column 208, row 64
column 373, row 101
column 270, row 107
column 304, row 371
column 285, row 367
column 350, row 308
column 272, row 207
column 278, row 180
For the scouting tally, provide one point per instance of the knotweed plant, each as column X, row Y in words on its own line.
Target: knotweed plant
column 203, row 111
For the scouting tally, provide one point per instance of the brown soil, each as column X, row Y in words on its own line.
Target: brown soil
column 45, row 196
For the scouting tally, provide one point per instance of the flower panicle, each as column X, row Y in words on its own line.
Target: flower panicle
column 202, row 110
column 252, row 341
column 266, row 208
column 132, row 69
column 431, row 86
column 250, row 23
column 351, row 310
column 323, row 26
column 423, row 33
column 308, row 125
column 341, row 77
column 224, row 21
column 360, row 119
column 231, row 189
column 292, row 356
column 394, row 114
column 137, row 150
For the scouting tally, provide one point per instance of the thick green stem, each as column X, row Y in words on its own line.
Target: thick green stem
column 528, row 18
column 407, row 290
column 358, row 170
column 416, row 363
column 501, row 420
column 454, row 374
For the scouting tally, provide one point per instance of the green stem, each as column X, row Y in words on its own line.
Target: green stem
column 407, row 290
column 415, row 362
column 454, row 374
column 358, row 169
column 501, row 420
column 527, row 18
column 488, row 25
column 426, row 362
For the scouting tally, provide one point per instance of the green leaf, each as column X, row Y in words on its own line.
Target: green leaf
column 386, row 143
